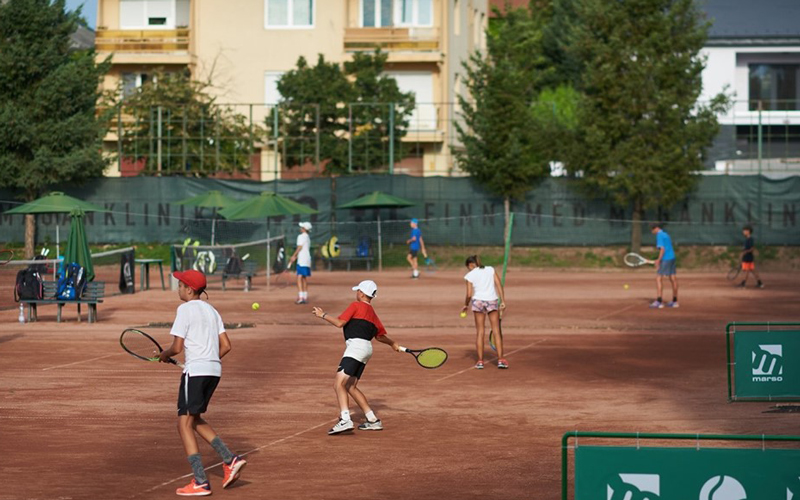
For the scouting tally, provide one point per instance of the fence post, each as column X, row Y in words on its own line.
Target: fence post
column 183, row 142
column 760, row 151
column 391, row 138
column 119, row 139
column 275, row 135
column 349, row 137
column 316, row 139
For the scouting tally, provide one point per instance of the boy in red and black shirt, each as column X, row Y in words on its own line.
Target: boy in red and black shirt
column 360, row 325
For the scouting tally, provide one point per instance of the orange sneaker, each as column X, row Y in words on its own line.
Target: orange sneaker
column 233, row 470
column 195, row 490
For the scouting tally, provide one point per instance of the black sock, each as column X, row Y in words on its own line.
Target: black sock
column 659, row 299
column 674, row 298
column 197, row 467
column 223, row 451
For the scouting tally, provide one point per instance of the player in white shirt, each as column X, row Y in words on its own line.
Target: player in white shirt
column 486, row 296
column 198, row 330
column 302, row 254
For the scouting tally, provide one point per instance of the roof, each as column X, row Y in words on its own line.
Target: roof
column 81, row 39
column 753, row 19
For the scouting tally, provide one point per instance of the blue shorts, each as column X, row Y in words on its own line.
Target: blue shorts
column 667, row 268
column 303, row 271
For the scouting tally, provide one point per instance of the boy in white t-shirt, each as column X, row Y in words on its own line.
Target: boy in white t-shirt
column 302, row 255
column 485, row 294
column 198, row 330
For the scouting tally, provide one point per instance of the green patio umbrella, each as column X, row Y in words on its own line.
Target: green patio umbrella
column 77, row 249
column 377, row 199
column 263, row 207
column 55, row 202
column 210, row 199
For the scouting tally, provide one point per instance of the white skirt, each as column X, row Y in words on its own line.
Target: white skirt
column 358, row 349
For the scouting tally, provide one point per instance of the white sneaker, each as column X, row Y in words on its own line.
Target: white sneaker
column 341, row 426
column 371, row 426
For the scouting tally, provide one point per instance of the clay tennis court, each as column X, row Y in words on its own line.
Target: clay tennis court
column 80, row 419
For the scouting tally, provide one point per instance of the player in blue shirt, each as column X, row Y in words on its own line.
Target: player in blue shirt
column 415, row 245
column 665, row 266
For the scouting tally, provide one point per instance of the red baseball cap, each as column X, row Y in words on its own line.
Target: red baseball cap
column 193, row 279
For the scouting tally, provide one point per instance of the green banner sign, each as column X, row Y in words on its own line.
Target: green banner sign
column 628, row 473
column 766, row 364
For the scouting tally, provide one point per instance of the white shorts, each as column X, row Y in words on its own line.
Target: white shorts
column 358, row 349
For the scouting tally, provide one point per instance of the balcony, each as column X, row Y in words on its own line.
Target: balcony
column 402, row 44
column 145, row 46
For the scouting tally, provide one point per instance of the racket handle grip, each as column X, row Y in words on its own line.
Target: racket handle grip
column 403, row 349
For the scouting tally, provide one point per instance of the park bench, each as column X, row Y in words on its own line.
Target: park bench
column 93, row 294
column 347, row 255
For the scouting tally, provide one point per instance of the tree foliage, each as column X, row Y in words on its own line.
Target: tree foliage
column 503, row 146
column 642, row 132
column 196, row 135
column 50, row 131
column 341, row 104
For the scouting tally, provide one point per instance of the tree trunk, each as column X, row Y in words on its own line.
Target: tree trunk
column 636, row 227
column 30, row 235
column 507, row 214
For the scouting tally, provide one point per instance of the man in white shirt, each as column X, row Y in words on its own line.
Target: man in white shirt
column 302, row 254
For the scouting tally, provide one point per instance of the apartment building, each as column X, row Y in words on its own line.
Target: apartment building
column 246, row 45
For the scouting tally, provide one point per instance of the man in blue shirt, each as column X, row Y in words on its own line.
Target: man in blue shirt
column 415, row 245
column 665, row 265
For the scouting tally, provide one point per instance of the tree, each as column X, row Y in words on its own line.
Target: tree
column 174, row 126
column 51, row 133
column 642, row 131
column 503, row 146
column 349, row 109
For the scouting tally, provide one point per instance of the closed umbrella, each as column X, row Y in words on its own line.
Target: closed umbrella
column 378, row 200
column 263, row 207
column 77, row 249
column 209, row 199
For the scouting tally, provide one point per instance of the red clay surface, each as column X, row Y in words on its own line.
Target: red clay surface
column 80, row 419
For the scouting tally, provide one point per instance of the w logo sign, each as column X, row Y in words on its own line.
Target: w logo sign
column 634, row 487
column 767, row 363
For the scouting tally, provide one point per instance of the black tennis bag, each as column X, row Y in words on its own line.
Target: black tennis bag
column 29, row 285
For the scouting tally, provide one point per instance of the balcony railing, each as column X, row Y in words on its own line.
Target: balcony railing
column 392, row 39
column 147, row 41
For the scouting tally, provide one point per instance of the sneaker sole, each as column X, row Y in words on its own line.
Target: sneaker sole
column 235, row 474
column 370, row 428
column 334, row 432
column 199, row 494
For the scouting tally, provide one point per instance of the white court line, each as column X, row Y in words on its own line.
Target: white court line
column 472, row 367
column 77, row 362
column 254, row 450
column 617, row 312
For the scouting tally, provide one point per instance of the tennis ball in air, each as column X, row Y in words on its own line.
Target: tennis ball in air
column 255, row 306
column 463, row 314
column 625, row 286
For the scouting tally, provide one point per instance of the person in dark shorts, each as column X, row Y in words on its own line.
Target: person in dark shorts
column 665, row 266
column 199, row 332
column 415, row 245
column 749, row 258
column 360, row 325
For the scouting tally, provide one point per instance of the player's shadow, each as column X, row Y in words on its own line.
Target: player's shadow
column 9, row 338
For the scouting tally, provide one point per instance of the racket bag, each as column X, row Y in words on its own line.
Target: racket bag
column 29, row 285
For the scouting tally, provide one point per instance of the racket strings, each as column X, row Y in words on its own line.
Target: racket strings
column 431, row 358
column 140, row 345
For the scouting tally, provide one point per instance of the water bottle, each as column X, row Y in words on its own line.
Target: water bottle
column 21, row 314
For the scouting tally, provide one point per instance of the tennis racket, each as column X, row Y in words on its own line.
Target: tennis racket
column 635, row 260
column 492, row 343
column 6, row 254
column 432, row 357
column 734, row 273
column 142, row 346
column 430, row 265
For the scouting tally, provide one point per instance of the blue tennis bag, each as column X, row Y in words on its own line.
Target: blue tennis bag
column 72, row 283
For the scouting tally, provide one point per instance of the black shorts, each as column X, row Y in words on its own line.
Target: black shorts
column 413, row 253
column 194, row 399
column 351, row 366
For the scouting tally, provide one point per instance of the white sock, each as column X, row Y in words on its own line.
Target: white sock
column 371, row 416
column 346, row 415
column 304, row 294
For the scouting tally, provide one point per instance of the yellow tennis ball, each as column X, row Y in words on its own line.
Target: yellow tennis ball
column 625, row 286
column 463, row 314
column 255, row 306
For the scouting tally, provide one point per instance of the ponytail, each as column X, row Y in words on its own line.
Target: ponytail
column 474, row 259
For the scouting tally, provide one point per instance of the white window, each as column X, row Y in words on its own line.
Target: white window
column 413, row 12
column 132, row 81
column 376, row 13
column 148, row 14
column 271, row 94
column 456, row 18
column 420, row 83
column 288, row 13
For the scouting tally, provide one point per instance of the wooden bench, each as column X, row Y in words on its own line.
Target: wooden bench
column 93, row 294
column 347, row 254
column 249, row 269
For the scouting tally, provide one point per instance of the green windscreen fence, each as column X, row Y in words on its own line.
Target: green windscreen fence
column 452, row 211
